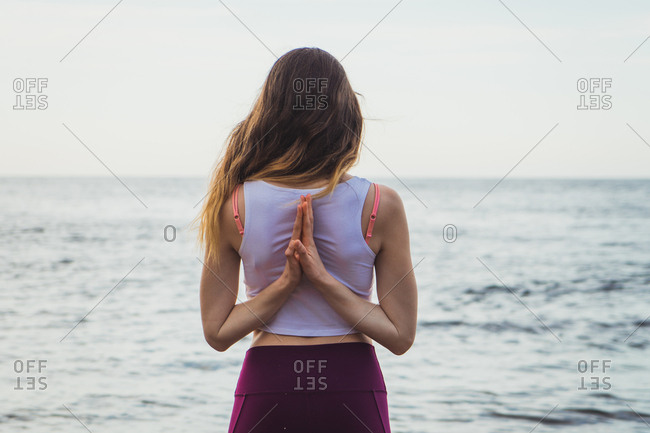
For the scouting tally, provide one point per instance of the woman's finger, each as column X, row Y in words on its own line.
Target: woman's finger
column 310, row 209
column 297, row 224
column 307, row 222
column 290, row 250
column 300, row 248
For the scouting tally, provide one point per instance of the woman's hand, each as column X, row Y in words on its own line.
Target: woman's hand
column 310, row 261
column 292, row 271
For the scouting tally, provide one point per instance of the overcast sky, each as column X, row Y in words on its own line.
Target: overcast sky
column 451, row 89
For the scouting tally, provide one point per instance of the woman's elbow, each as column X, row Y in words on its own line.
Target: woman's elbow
column 402, row 345
column 216, row 343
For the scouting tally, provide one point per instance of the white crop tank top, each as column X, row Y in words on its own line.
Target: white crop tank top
column 341, row 243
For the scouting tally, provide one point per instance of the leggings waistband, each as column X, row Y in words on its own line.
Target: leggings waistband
column 311, row 368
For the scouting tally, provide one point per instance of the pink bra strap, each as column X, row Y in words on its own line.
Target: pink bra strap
column 235, row 210
column 373, row 215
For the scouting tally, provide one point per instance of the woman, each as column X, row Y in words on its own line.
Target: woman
column 308, row 235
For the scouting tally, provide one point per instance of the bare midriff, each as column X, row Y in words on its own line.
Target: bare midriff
column 263, row 338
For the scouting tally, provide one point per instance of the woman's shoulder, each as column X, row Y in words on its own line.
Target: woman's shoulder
column 390, row 213
column 389, row 199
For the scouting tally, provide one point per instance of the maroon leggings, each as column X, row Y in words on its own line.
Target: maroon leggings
column 328, row 388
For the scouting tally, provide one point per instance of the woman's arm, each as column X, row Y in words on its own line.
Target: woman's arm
column 392, row 322
column 224, row 322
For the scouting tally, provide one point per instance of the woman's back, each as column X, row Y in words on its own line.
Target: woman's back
column 338, row 235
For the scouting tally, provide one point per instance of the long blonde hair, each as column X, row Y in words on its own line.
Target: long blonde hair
column 305, row 125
